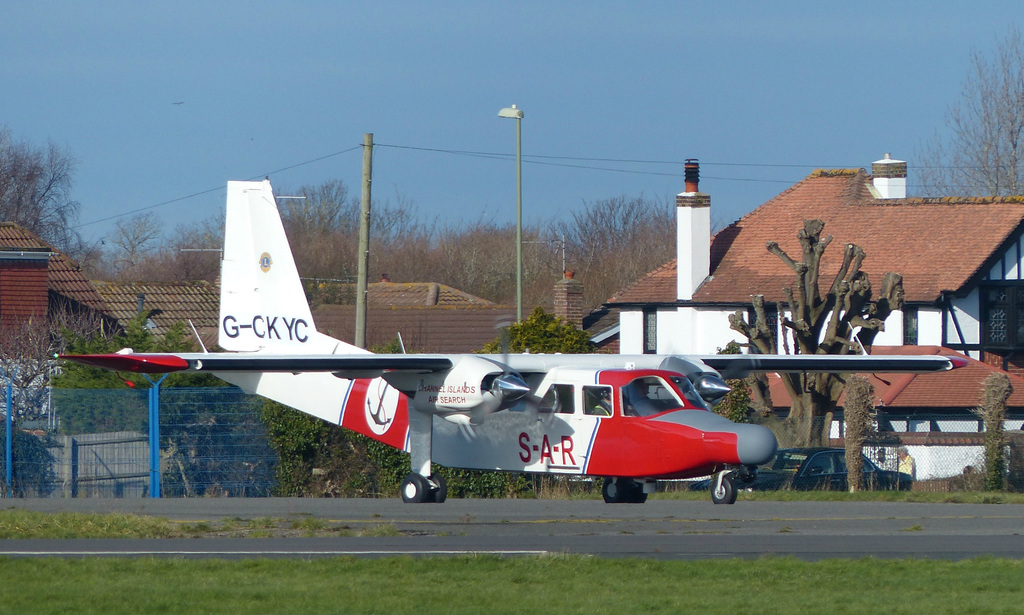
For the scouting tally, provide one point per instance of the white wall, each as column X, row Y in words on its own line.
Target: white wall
column 631, row 332
column 929, row 327
column 968, row 316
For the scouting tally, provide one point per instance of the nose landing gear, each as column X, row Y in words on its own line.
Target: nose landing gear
column 723, row 487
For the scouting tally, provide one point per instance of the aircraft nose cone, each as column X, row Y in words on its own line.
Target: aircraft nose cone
column 755, row 444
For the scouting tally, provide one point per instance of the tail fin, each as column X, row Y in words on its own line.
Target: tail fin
column 262, row 303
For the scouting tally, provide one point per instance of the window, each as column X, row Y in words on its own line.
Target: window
column 648, row 396
column 597, row 401
column 1003, row 324
column 558, row 399
column 650, row 332
column 909, row 326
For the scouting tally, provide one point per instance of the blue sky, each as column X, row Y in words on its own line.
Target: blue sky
column 760, row 92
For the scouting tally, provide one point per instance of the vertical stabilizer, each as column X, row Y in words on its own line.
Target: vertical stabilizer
column 262, row 304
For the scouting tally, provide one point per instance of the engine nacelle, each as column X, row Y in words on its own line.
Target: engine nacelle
column 474, row 385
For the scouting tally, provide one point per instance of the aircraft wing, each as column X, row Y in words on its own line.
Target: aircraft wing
column 373, row 365
column 739, row 365
column 348, row 366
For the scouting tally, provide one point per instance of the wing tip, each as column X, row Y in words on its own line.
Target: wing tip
column 139, row 363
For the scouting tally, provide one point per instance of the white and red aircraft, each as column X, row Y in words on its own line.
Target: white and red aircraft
column 630, row 419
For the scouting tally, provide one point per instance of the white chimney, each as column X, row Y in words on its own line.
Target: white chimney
column 693, row 234
column 890, row 178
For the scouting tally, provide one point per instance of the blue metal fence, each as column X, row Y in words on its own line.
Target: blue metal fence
column 99, row 443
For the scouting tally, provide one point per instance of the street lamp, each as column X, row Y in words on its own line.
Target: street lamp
column 517, row 114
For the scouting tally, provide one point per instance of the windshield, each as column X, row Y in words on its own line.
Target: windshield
column 788, row 460
column 689, row 392
column 647, row 396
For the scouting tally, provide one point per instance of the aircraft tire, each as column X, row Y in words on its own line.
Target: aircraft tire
column 725, row 493
column 416, row 489
column 623, row 491
column 440, row 494
column 610, row 491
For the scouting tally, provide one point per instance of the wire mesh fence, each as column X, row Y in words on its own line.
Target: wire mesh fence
column 212, row 442
column 96, row 443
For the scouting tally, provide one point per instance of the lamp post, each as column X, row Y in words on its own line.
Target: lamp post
column 517, row 114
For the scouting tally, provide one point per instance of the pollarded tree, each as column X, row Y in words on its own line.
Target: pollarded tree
column 820, row 324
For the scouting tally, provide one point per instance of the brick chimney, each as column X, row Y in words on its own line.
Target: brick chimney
column 693, row 233
column 889, row 178
column 569, row 299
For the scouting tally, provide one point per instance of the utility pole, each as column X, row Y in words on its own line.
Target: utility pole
column 364, row 241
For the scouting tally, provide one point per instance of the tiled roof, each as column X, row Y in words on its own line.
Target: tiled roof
column 936, row 244
column 435, row 329
column 958, row 389
column 658, row 286
column 392, row 294
column 64, row 276
column 419, row 293
column 169, row 302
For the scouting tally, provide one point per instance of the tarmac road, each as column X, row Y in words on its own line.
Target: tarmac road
column 657, row 529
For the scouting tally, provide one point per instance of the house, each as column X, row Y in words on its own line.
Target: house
column 430, row 317
column 962, row 262
column 39, row 284
column 166, row 304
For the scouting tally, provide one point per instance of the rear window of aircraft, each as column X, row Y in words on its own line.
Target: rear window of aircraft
column 559, row 399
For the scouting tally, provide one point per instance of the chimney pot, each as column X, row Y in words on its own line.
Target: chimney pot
column 691, row 174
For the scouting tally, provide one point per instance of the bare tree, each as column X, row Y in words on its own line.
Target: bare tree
column 133, row 238
column 611, row 243
column 820, row 324
column 35, row 190
column 983, row 154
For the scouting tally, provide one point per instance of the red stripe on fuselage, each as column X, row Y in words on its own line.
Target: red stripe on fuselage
column 642, row 448
column 639, row 447
column 361, row 410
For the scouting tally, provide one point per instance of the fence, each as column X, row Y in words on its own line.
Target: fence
column 212, row 442
column 96, row 443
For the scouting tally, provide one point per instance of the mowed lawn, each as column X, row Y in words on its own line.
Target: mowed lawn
column 556, row 584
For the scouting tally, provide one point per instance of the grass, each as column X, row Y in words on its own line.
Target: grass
column 27, row 524
column 16, row 523
column 569, row 584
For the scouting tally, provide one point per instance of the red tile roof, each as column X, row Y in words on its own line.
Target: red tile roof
column 64, row 276
column 435, row 329
column 169, row 302
column 419, row 294
column 391, row 294
column 958, row 389
column 936, row 244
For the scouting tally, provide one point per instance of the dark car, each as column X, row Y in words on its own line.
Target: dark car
column 809, row 469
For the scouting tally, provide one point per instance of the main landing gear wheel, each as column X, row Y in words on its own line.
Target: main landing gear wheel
column 723, row 489
column 623, row 491
column 417, row 489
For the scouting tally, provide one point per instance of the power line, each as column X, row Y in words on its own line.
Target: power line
column 219, row 188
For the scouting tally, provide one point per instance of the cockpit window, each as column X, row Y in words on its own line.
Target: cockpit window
column 689, row 392
column 647, row 396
